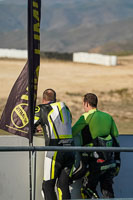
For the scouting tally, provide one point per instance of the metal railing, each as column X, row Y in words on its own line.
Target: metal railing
column 34, row 149
column 65, row 148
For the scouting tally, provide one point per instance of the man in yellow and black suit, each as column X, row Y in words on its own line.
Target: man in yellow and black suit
column 55, row 120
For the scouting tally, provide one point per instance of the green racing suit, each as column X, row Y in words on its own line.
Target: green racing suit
column 97, row 128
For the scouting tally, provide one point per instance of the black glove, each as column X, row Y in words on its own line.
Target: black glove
column 117, row 168
column 70, row 180
column 85, row 158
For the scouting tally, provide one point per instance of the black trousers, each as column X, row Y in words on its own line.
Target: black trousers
column 91, row 180
column 63, row 164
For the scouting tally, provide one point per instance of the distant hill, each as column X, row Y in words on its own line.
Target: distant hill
column 85, row 39
column 72, row 25
column 117, row 48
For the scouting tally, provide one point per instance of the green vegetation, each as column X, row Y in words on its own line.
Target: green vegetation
column 120, row 53
column 121, row 92
column 74, row 94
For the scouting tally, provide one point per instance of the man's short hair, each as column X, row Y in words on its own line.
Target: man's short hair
column 49, row 95
column 91, row 99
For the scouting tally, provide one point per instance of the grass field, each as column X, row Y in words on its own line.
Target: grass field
column 112, row 85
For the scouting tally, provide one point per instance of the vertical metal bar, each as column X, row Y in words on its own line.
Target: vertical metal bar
column 30, row 173
column 34, row 175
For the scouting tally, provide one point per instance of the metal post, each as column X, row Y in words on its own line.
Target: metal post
column 34, row 154
column 30, row 172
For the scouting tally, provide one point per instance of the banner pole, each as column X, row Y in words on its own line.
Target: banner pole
column 34, row 7
column 30, row 86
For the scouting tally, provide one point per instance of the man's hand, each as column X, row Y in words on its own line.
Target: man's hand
column 39, row 129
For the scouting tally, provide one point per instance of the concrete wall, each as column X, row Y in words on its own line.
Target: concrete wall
column 14, row 168
column 14, row 171
column 13, row 53
column 81, row 57
column 84, row 57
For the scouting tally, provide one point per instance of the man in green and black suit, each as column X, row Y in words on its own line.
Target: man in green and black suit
column 97, row 128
